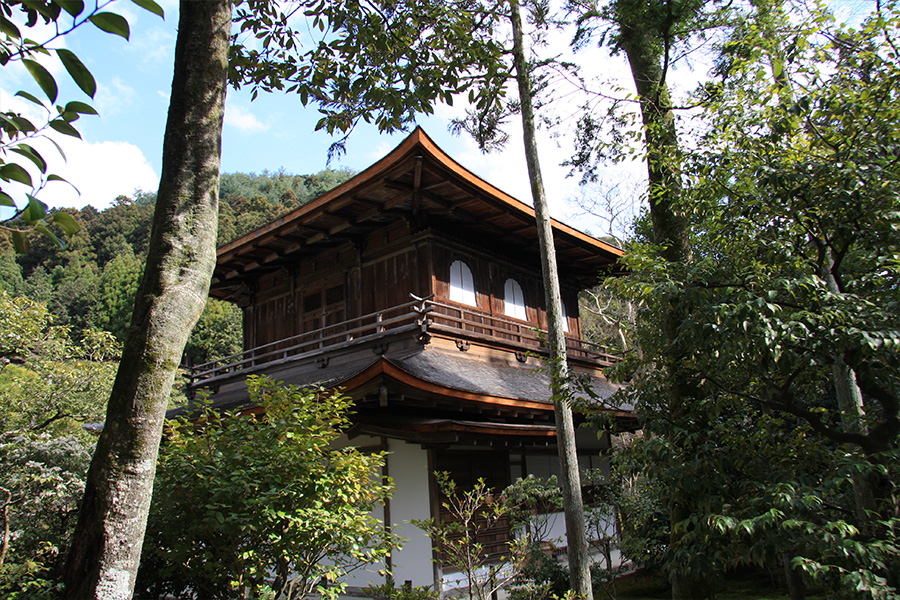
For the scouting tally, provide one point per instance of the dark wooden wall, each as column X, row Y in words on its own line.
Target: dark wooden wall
column 379, row 272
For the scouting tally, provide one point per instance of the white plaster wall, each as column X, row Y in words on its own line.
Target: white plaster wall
column 368, row 574
column 408, row 467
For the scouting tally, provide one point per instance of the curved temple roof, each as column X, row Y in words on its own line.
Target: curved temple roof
column 419, row 182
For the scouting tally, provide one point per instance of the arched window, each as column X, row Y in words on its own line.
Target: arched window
column 462, row 285
column 514, row 300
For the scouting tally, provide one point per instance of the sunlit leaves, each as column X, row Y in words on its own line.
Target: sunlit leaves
column 150, row 6
column 17, row 131
column 793, row 196
column 378, row 64
column 271, row 491
column 66, row 222
column 14, row 172
column 43, row 77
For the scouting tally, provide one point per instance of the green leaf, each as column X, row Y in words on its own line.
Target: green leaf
column 777, row 68
column 79, row 73
column 111, row 23
column 20, row 242
column 6, row 200
column 9, row 29
column 152, row 6
column 32, row 155
column 81, row 108
column 24, row 125
column 27, row 96
column 14, row 172
column 53, row 177
column 42, row 229
column 73, row 7
column 61, row 153
column 35, row 211
column 43, row 78
column 10, row 126
column 62, row 126
column 48, row 11
column 67, row 223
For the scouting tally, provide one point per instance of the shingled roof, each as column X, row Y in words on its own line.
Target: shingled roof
column 419, row 182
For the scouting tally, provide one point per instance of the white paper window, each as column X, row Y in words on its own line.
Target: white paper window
column 513, row 300
column 462, row 285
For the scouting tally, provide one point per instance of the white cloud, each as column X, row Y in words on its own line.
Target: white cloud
column 154, row 41
column 101, row 171
column 115, row 98
column 240, row 118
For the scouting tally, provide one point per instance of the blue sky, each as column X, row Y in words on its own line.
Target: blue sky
column 122, row 148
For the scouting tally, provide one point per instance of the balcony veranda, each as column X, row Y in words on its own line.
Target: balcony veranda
column 420, row 319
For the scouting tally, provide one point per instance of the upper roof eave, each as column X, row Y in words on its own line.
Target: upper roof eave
column 417, row 139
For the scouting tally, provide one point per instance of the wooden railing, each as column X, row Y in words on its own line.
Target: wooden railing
column 311, row 343
column 462, row 321
column 423, row 317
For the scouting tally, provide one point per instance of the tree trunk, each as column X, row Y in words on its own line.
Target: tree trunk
column 578, row 555
column 645, row 47
column 793, row 577
column 105, row 553
column 853, row 413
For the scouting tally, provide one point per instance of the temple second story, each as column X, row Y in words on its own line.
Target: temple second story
column 414, row 245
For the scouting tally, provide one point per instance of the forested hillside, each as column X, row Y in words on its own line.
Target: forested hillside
column 90, row 285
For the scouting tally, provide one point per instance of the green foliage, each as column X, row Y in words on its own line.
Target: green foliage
column 91, row 284
column 796, row 234
column 249, row 201
column 48, row 382
column 17, row 131
column 244, row 504
column 381, row 63
column 471, row 512
column 387, row 591
column 11, row 280
column 530, row 503
column 280, row 187
column 117, row 288
column 643, row 517
column 541, row 577
column 217, row 334
column 27, row 581
column 44, row 476
column 51, row 387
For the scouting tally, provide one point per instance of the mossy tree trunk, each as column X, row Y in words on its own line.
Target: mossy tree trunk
column 105, row 553
column 646, row 48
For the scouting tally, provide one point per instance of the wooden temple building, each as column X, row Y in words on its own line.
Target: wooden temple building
column 415, row 287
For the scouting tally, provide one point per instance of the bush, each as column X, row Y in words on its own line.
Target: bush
column 261, row 505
